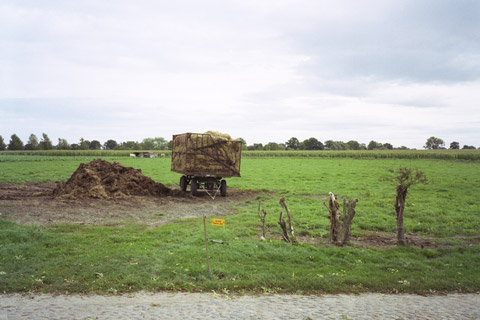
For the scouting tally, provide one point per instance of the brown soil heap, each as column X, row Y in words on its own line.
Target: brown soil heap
column 104, row 180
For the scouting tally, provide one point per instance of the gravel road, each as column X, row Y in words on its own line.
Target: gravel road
column 213, row 306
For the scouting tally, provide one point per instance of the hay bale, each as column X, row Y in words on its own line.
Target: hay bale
column 218, row 135
column 206, row 154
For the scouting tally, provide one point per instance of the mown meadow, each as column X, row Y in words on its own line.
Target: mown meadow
column 73, row 258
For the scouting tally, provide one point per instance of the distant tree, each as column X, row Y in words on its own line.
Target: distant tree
column 84, row 144
column 95, row 145
column 157, row 143
column 273, row 146
column 387, row 146
column 454, row 145
column 336, row 145
column 3, row 146
column 244, row 144
column 32, row 143
column 312, row 144
column 329, row 144
column 468, row 147
column 256, row 147
column 130, row 145
column 110, row 144
column 160, row 143
column 45, row 143
column 402, row 148
column 434, row 143
column 372, row 145
column 147, row 144
column 74, row 146
column 353, row 145
column 292, row 143
column 63, row 144
column 15, row 143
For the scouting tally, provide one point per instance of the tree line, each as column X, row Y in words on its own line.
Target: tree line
column 437, row 143
column 160, row 143
column 45, row 143
column 314, row 144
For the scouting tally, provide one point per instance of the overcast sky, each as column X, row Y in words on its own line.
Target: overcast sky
column 390, row 71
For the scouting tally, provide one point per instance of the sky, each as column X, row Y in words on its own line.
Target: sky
column 264, row 70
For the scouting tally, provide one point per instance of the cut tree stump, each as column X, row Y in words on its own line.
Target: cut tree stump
column 340, row 224
column 286, row 237
column 262, row 219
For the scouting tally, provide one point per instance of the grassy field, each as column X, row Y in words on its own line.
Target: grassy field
column 129, row 258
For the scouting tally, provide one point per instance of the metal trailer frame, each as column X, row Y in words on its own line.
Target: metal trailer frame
column 211, row 181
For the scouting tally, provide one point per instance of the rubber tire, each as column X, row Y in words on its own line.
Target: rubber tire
column 183, row 183
column 194, row 187
column 223, row 188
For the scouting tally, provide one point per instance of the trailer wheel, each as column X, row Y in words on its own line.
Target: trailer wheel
column 194, row 187
column 223, row 188
column 183, row 183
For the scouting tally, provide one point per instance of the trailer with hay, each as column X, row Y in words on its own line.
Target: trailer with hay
column 204, row 159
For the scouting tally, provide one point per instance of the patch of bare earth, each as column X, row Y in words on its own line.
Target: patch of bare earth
column 384, row 240
column 105, row 193
column 388, row 240
column 35, row 204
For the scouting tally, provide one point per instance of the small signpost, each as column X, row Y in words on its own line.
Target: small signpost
column 206, row 242
column 215, row 222
column 218, row 222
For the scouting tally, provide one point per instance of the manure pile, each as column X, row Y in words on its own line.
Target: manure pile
column 104, row 180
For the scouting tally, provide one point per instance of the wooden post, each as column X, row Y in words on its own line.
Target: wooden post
column 206, row 242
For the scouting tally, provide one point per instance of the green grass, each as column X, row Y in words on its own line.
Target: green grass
column 172, row 257
column 127, row 259
column 447, row 205
column 19, row 169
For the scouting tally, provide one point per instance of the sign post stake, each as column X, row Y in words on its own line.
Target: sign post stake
column 206, row 242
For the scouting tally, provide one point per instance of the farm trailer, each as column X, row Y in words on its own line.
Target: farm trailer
column 204, row 159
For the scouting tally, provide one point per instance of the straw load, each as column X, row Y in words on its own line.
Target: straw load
column 206, row 154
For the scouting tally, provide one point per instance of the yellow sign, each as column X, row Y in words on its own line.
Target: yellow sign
column 218, row 222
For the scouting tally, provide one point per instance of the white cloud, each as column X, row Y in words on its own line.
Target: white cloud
column 391, row 71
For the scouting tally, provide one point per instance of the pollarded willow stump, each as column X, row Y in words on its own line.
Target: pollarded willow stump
column 340, row 224
column 288, row 234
